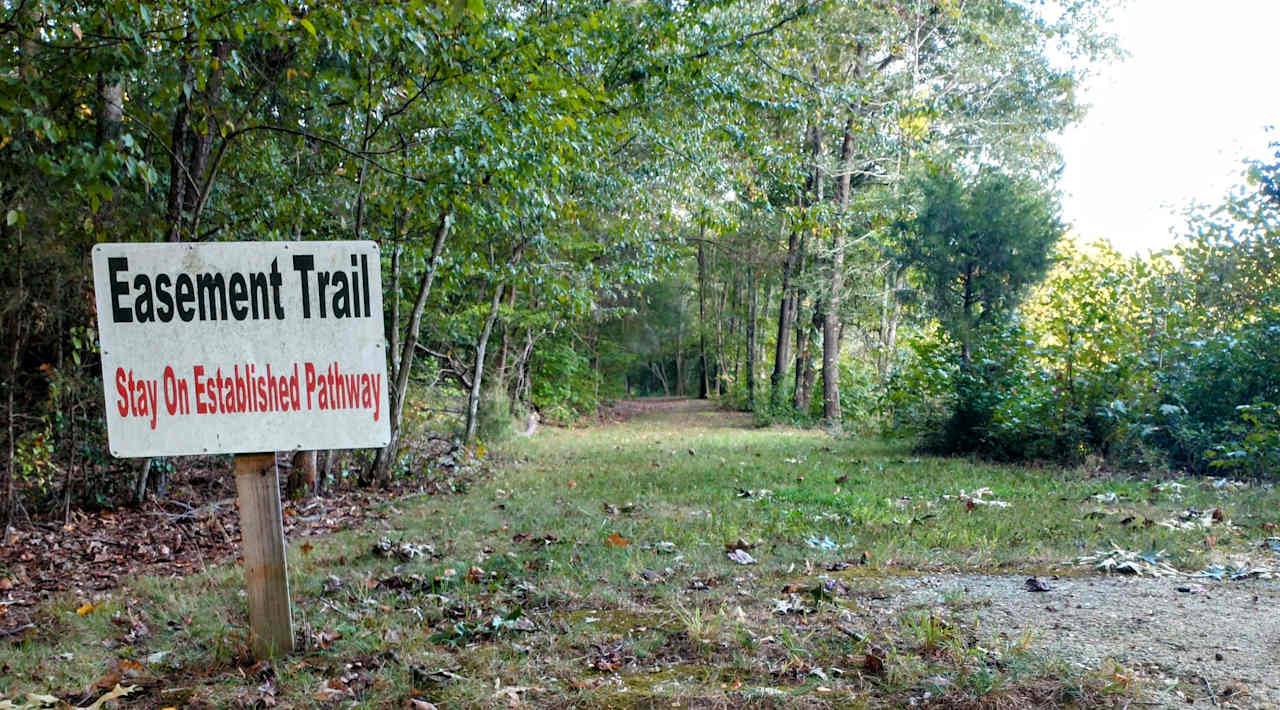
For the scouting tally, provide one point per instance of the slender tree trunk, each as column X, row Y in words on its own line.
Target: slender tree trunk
column 660, row 373
column 803, row 396
column 704, row 388
column 178, row 168
column 6, row 515
column 722, row 365
column 966, row 340
column 794, row 263
column 473, row 397
column 191, row 147
column 500, row 385
column 381, row 468
column 786, row 320
column 111, row 110
column 396, row 252
column 890, row 316
column 752, row 347
column 202, row 139
column 835, row 292
column 679, row 372
column 302, row 476
column 799, row 397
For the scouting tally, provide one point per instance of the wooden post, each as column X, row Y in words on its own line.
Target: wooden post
column 265, row 574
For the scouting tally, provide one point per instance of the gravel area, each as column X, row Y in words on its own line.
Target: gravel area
column 1189, row 643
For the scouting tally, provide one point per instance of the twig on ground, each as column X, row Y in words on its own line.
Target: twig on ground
column 16, row 631
column 1213, row 697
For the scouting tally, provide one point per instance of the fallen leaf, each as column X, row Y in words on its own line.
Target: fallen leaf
column 306, row 549
column 325, row 639
column 873, row 662
column 742, row 557
column 86, row 609
column 572, row 483
column 116, row 693
column 420, row 704
column 1033, row 584
column 616, row 540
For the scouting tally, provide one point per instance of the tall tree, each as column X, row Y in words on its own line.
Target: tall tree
column 977, row 245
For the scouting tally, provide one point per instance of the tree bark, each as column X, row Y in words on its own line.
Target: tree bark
column 803, row 396
column 302, row 477
column 396, row 253
column 786, row 320
column 381, row 468
column 752, row 347
column 890, row 316
column 111, row 110
column 190, row 148
column 473, row 397
column 794, row 263
column 504, row 352
column 704, row 388
column 178, row 168
column 831, row 413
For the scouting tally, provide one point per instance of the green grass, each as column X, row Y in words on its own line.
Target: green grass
column 590, row 571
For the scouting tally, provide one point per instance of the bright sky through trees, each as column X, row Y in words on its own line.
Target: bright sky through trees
column 1173, row 122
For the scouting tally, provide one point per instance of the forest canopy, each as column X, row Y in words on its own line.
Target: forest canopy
column 840, row 214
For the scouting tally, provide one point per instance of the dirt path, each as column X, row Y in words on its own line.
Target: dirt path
column 1219, row 639
column 1212, row 644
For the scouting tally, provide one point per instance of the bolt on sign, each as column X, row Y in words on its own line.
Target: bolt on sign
column 241, row 347
column 244, row 348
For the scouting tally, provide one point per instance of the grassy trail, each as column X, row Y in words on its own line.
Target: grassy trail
column 682, row 558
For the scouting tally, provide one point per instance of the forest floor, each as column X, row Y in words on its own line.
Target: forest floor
column 680, row 556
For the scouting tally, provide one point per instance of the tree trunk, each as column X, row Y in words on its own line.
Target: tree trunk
column 704, row 387
column 381, row 468
column 302, row 477
column 803, row 396
column 966, row 329
column 396, row 253
column 752, row 346
column 794, row 263
column 191, row 147
column 786, row 320
column 178, row 168
column 504, row 352
column 660, row 373
column 111, row 110
column 679, row 372
column 721, row 362
column 890, row 316
column 473, row 397
column 831, row 413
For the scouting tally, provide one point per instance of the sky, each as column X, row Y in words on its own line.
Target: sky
column 1172, row 123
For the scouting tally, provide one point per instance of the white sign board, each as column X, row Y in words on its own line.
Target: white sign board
column 241, row 347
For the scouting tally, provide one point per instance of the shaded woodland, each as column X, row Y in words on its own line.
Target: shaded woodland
column 833, row 214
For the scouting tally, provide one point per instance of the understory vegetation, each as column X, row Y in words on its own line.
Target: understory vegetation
column 840, row 214
column 604, row 567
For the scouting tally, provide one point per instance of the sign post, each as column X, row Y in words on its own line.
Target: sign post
column 244, row 348
column 265, row 574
